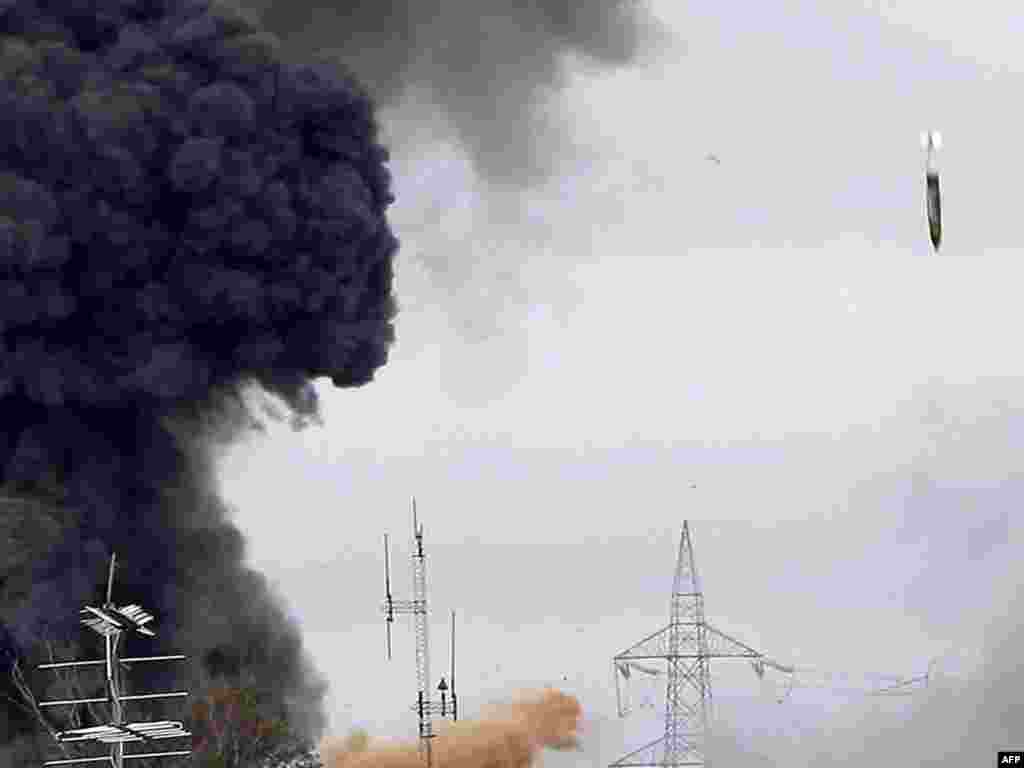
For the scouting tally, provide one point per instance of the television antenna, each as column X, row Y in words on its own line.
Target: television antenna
column 111, row 622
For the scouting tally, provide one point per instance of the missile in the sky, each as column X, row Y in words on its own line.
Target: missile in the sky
column 933, row 199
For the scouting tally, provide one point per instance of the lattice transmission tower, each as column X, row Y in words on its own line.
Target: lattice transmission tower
column 687, row 644
column 425, row 707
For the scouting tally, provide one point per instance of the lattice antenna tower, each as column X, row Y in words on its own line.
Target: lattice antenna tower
column 111, row 622
column 424, row 706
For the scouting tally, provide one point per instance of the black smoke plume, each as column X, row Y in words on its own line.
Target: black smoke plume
column 184, row 213
column 493, row 66
column 489, row 77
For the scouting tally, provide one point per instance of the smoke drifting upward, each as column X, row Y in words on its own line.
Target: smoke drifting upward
column 492, row 66
column 475, row 91
column 182, row 214
column 508, row 737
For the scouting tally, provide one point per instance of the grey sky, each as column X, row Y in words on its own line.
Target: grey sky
column 773, row 329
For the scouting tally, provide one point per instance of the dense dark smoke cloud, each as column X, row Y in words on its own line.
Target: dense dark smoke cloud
column 492, row 66
column 182, row 214
column 476, row 98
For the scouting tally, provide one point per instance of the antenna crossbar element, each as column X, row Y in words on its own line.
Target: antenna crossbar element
column 97, row 662
column 108, row 759
column 110, row 620
column 104, row 759
column 142, row 755
column 106, row 699
column 110, row 734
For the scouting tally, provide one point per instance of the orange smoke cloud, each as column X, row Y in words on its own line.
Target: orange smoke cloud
column 509, row 737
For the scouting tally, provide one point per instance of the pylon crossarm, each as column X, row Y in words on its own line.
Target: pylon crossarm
column 654, row 646
column 721, row 645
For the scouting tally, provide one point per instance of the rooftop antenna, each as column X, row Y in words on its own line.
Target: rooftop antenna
column 424, row 706
column 110, row 622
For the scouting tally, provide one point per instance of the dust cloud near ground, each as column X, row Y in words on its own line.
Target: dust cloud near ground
column 508, row 735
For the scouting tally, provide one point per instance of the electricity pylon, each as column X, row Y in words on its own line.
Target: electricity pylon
column 688, row 644
column 424, row 707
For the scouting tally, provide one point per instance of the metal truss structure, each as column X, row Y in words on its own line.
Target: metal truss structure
column 110, row 622
column 425, row 707
column 688, row 644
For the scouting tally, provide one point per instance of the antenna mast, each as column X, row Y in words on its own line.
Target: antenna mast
column 111, row 622
column 424, row 706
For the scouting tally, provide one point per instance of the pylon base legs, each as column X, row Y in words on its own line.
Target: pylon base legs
column 658, row 754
